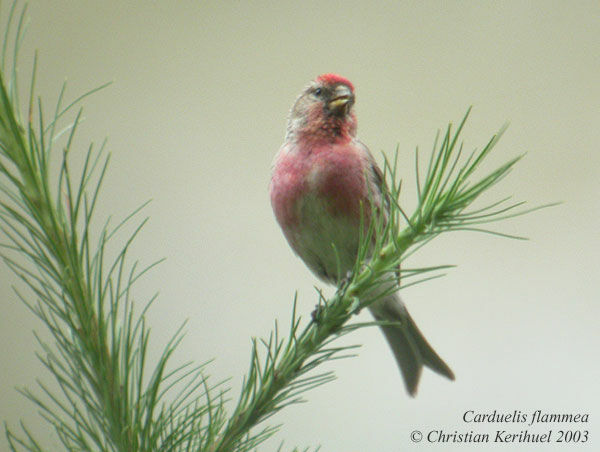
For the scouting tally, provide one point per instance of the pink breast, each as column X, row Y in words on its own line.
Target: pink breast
column 333, row 172
column 341, row 180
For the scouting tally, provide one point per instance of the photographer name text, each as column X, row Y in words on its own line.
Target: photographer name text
column 523, row 427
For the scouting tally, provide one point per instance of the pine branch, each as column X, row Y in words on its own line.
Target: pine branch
column 110, row 398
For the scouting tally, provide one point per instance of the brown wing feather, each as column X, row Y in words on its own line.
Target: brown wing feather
column 380, row 183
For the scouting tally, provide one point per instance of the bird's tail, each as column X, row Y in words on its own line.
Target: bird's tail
column 411, row 349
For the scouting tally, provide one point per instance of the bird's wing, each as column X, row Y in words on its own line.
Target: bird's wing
column 379, row 180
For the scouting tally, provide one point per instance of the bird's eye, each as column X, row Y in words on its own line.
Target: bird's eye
column 318, row 92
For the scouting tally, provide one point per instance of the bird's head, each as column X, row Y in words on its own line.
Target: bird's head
column 323, row 111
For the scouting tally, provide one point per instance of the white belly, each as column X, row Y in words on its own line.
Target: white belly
column 326, row 242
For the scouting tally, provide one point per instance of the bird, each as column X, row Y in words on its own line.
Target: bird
column 322, row 178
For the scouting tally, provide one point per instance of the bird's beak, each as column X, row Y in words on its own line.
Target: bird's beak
column 341, row 101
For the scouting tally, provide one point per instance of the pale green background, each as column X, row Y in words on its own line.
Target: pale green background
column 197, row 111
